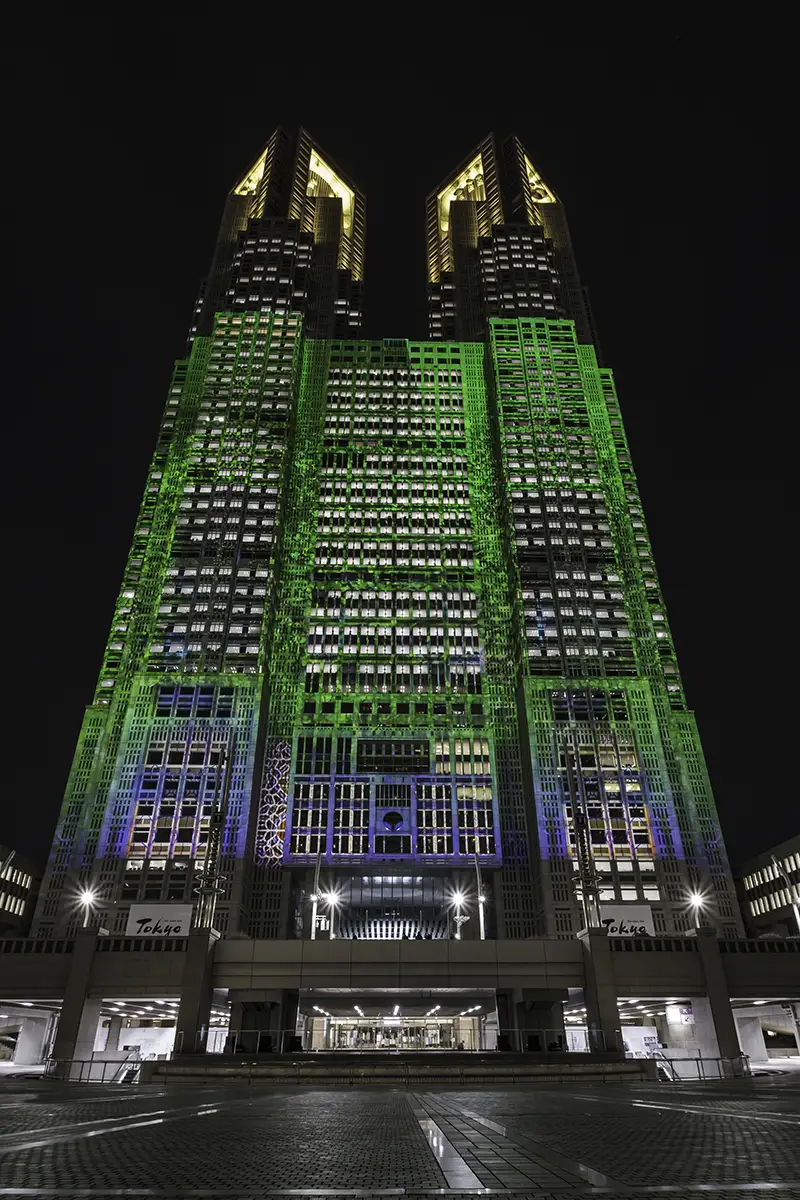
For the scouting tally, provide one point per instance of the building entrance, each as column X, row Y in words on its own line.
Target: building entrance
column 370, row 1023
column 400, row 1034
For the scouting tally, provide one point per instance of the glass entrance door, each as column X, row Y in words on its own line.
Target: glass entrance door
column 394, row 1034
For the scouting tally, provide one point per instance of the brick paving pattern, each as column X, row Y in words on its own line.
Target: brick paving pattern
column 738, row 1139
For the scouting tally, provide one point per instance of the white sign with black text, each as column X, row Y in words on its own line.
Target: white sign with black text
column 159, row 920
column 627, row 920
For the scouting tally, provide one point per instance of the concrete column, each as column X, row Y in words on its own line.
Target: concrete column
column 290, row 1003
column 114, row 1030
column 600, row 991
column 197, row 993
column 794, row 1010
column 317, row 1039
column 263, row 1021
column 520, row 1039
column 77, row 1024
column 507, row 1035
column 719, row 998
column 30, row 1042
column 705, row 1029
column 751, row 1038
column 542, row 1019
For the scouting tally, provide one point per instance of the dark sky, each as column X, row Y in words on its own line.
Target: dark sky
column 124, row 145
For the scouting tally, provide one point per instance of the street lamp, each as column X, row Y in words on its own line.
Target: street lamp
column 697, row 903
column 458, row 901
column 87, row 897
column 332, row 901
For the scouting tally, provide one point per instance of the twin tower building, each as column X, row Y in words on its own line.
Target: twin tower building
column 390, row 657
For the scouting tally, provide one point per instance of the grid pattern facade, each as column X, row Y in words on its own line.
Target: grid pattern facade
column 608, row 727
column 403, row 589
column 182, row 676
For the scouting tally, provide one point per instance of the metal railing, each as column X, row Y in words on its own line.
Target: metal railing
column 410, row 1068
column 680, row 1070
column 93, row 1070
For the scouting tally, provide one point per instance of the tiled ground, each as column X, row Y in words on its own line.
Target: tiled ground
column 726, row 1140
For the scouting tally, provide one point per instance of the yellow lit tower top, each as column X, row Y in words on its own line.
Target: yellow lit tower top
column 480, row 262
column 296, row 209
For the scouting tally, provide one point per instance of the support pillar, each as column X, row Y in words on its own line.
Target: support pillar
column 719, row 998
column 197, row 993
column 114, row 1030
column 263, row 1022
column 31, row 1040
column 507, row 1035
column 289, row 1008
column 77, row 1024
column 600, row 992
column 541, row 1017
column 751, row 1038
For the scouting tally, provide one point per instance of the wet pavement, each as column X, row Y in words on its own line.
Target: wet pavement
column 735, row 1139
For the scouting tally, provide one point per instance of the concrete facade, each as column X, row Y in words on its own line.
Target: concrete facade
column 529, row 980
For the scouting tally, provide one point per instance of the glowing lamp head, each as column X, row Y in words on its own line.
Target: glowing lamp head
column 87, row 896
column 697, row 899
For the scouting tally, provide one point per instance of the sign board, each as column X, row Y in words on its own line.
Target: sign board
column 641, row 1041
column 159, row 920
column 627, row 920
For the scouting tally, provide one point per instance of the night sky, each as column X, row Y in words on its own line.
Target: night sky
column 122, row 153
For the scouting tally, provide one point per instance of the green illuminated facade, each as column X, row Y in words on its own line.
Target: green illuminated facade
column 406, row 587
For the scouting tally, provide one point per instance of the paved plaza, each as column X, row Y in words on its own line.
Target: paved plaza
column 740, row 1138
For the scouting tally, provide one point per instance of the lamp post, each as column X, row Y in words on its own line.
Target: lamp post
column 332, row 901
column 459, row 903
column 86, row 898
column 481, row 898
column 315, row 897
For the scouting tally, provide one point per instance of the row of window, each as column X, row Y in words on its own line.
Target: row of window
column 772, row 871
column 389, row 605
column 780, row 898
column 15, row 875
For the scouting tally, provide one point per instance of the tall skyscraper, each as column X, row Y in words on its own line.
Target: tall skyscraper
column 499, row 246
column 394, row 600
column 291, row 240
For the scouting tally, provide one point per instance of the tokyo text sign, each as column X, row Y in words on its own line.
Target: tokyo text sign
column 627, row 920
column 159, row 920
